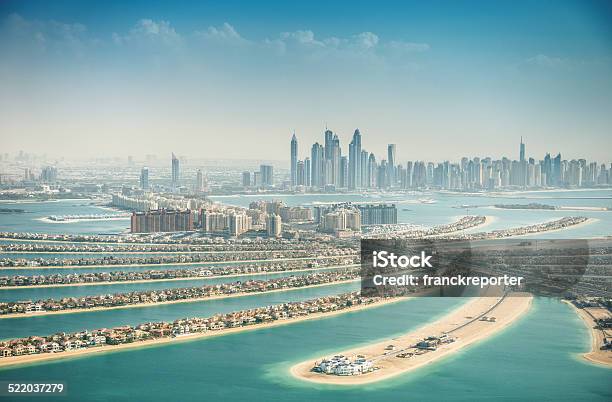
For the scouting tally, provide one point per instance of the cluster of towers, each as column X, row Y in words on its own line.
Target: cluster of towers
column 328, row 168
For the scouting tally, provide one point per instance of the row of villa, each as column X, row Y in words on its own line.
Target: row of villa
column 171, row 259
column 412, row 231
column 174, row 238
column 176, row 294
column 241, row 246
column 127, row 276
column 104, row 337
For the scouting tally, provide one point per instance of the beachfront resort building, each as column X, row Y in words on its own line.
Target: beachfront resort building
column 343, row 366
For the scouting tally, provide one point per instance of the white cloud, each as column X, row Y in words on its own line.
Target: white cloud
column 226, row 33
column 367, row 40
column 149, row 31
column 301, row 38
column 43, row 35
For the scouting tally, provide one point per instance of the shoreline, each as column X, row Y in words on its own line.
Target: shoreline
column 507, row 312
column 194, row 300
column 136, row 252
column 36, row 358
column 595, row 355
column 575, row 226
column 95, row 266
column 52, row 221
column 194, row 278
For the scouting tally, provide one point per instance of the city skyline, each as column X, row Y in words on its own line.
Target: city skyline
column 419, row 76
column 328, row 169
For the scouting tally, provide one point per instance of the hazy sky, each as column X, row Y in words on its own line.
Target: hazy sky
column 234, row 79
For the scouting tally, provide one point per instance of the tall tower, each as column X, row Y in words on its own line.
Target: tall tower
column 200, row 181
column 317, row 162
column 391, row 165
column 176, row 174
column 522, row 151
column 144, row 178
column 294, row 153
column 335, row 157
column 355, row 161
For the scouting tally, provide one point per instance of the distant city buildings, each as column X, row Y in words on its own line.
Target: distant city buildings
column 273, row 225
column 266, row 173
column 294, row 161
column 144, row 178
column 213, row 222
column 176, row 173
column 238, row 223
column 161, row 221
column 328, row 170
column 201, row 185
column 381, row 214
column 246, row 179
column 48, row 174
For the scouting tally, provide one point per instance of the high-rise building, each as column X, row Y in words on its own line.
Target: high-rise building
column 363, row 166
column 161, row 220
column 372, row 168
column 522, row 151
column 48, row 174
column 176, row 173
column 307, row 173
column 144, row 178
column 267, row 175
column 300, row 174
column 391, row 177
column 238, row 223
column 212, row 222
column 294, row 158
column 199, row 182
column 336, row 154
column 382, row 214
column 344, row 172
column 355, row 161
column 557, row 177
column 246, row 179
column 317, row 160
column 273, row 225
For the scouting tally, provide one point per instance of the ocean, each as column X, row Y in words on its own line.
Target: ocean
column 537, row 358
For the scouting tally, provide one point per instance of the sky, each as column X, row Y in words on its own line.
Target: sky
column 234, row 80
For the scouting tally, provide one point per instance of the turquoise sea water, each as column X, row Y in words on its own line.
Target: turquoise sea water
column 535, row 359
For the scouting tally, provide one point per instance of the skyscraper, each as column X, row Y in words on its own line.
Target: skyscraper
column 300, row 174
column 391, row 179
column 175, row 172
column 522, row 151
column 317, row 159
column 307, row 172
column 200, row 181
column 267, row 175
column 144, row 178
column 363, row 167
column 274, row 225
column 294, row 156
column 343, row 182
column 246, row 179
column 336, row 153
column 355, row 161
